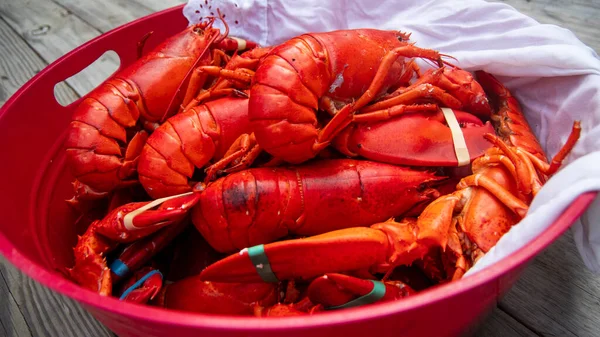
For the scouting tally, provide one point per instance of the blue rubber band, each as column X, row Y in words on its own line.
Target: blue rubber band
column 261, row 263
column 139, row 283
column 119, row 268
column 375, row 295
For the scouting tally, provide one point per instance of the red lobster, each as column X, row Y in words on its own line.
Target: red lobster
column 104, row 139
column 261, row 205
column 341, row 69
column 464, row 224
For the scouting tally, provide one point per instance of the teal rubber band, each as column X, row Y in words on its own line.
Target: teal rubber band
column 375, row 295
column 261, row 263
column 119, row 268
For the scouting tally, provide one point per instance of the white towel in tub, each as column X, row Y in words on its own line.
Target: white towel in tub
column 553, row 74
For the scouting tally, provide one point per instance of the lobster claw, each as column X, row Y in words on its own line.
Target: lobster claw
column 194, row 295
column 139, row 219
column 143, row 286
column 123, row 224
column 336, row 251
column 421, row 139
column 343, row 291
column 378, row 248
column 140, row 252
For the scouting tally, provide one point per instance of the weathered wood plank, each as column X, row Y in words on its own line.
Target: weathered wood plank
column 106, row 15
column 557, row 295
column 500, row 324
column 579, row 16
column 18, row 63
column 52, row 31
column 159, row 5
column 44, row 312
column 12, row 321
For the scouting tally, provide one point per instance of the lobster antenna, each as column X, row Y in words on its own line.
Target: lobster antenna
column 448, row 63
column 222, row 18
column 431, row 62
column 141, row 43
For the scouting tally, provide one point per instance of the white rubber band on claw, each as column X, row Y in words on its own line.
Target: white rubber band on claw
column 460, row 146
column 128, row 218
column 241, row 43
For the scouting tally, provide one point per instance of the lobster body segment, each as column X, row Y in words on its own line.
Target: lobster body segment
column 261, row 205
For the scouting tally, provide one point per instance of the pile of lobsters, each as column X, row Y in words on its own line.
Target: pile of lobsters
column 214, row 175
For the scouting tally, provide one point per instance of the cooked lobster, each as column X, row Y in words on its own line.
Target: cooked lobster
column 261, row 205
column 107, row 133
column 339, row 71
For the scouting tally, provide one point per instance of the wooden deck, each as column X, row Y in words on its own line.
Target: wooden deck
column 556, row 296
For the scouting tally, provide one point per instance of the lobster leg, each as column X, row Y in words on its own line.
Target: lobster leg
column 549, row 169
column 200, row 75
column 244, row 150
column 213, row 94
column 455, row 82
column 383, row 114
column 198, row 79
column 414, row 93
column 241, row 75
column 238, row 69
column 345, row 115
column 512, row 126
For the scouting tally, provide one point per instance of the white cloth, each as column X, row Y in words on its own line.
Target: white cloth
column 554, row 75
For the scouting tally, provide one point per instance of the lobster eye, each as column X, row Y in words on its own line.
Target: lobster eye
column 403, row 37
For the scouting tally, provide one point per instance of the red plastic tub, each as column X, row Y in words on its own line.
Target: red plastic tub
column 37, row 232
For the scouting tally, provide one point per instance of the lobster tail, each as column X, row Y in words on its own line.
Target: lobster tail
column 190, row 140
column 284, row 96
